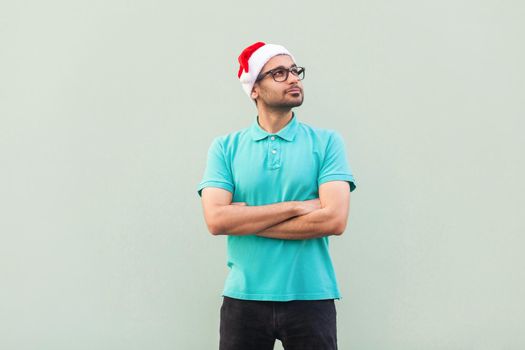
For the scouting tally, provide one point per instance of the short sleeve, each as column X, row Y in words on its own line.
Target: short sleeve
column 335, row 165
column 218, row 170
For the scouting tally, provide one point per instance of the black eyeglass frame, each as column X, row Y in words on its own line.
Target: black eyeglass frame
column 300, row 71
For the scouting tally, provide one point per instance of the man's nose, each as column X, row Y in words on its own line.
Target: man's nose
column 292, row 78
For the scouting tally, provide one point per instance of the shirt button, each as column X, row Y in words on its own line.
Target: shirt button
column 272, row 138
column 274, row 151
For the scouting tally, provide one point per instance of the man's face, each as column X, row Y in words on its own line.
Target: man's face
column 281, row 95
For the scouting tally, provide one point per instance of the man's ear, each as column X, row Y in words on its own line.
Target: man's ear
column 255, row 92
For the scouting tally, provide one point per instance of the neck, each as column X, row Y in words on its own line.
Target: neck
column 273, row 120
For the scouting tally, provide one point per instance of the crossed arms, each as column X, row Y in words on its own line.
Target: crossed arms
column 324, row 216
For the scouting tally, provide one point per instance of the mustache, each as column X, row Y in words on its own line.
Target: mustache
column 294, row 88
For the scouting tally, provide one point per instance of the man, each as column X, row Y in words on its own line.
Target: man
column 277, row 189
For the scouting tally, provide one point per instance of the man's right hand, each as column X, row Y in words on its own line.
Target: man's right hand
column 303, row 207
column 240, row 218
column 306, row 207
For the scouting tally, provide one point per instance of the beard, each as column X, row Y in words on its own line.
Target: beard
column 284, row 103
column 295, row 103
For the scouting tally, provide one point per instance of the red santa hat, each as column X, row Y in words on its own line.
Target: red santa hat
column 253, row 58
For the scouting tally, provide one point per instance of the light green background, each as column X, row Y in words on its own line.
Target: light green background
column 108, row 108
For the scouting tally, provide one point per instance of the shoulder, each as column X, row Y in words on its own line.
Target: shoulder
column 319, row 135
column 230, row 140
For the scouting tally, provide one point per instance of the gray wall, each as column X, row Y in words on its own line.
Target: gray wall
column 108, row 108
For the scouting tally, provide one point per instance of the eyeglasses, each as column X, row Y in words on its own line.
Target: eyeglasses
column 280, row 74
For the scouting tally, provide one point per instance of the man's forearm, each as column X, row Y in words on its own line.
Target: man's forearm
column 244, row 220
column 318, row 223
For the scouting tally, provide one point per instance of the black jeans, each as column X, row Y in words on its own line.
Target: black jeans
column 298, row 324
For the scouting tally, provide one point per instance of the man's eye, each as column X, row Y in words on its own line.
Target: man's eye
column 297, row 70
column 279, row 73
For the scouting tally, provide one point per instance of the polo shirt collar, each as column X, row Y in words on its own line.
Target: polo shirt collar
column 287, row 133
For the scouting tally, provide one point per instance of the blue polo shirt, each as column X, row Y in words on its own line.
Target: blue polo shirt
column 262, row 168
